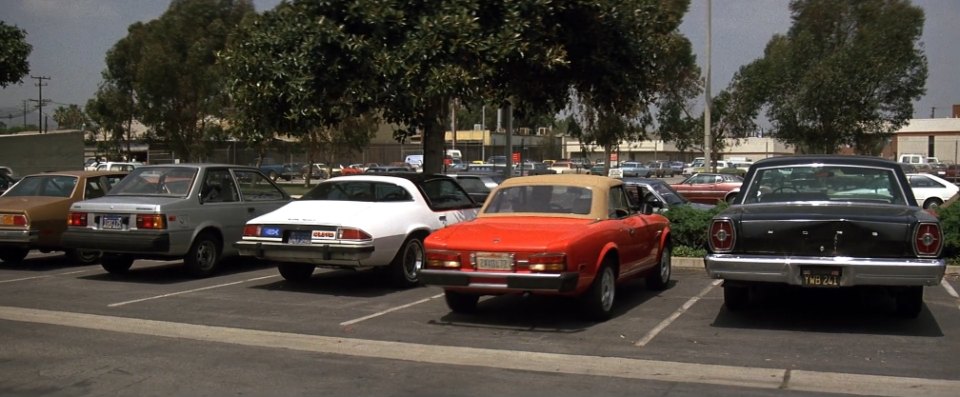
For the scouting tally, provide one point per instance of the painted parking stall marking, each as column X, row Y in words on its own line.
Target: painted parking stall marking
column 190, row 291
column 952, row 292
column 392, row 309
column 44, row 276
column 617, row 367
column 673, row 317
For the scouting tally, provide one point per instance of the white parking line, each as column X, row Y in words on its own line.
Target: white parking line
column 392, row 309
column 950, row 290
column 665, row 323
column 192, row 290
column 44, row 276
column 465, row 357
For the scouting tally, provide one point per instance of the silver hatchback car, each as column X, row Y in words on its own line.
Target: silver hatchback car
column 189, row 211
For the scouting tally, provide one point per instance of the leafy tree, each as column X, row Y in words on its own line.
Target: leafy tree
column 71, row 117
column 14, row 51
column 110, row 109
column 845, row 74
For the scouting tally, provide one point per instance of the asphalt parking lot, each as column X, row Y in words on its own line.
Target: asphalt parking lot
column 76, row 330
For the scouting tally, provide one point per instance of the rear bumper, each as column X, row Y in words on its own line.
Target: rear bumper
column 318, row 254
column 20, row 238
column 854, row 271
column 118, row 242
column 501, row 282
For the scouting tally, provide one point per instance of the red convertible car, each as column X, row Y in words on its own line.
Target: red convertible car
column 569, row 234
column 708, row 188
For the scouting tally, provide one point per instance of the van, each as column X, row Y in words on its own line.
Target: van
column 454, row 153
column 912, row 159
column 415, row 160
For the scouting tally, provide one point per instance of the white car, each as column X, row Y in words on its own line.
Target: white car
column 932, row 191
column 359, row 222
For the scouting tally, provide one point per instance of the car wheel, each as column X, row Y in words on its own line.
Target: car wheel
column 731, row 198
column 273, row 176
column 736, row 297
column 661, row 278
column 304, row 176
column 459, row 302
column 296, row 272
column 909, row 301
column 204, row 255
column 116, row 264
column 598, row 302
column 405, row 268
column 13, row 254
column 83, row 257
column 932, row 203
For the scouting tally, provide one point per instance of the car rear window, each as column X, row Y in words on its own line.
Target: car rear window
column 554, row 199
column 156, row 181
column 44, row 186
column 818, row 182
column 358, row 191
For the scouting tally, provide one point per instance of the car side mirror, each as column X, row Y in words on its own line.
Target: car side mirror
column 651, row 205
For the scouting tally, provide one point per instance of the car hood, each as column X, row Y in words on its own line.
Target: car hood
column 510, row 234
column 312, row 212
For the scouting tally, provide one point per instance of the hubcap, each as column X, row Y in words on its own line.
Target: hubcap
column 412, row 260
column 665, row 265
column 607, row 289
column 206, row 254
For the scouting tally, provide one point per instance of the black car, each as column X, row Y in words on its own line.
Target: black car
column 478, row 185
column 6, row 181
column 826, row 222
column 659, row 194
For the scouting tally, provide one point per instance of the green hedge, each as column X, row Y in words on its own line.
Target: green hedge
column 950, row 224
column 688, row 229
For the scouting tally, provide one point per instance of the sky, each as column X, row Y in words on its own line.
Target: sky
column 70, row 39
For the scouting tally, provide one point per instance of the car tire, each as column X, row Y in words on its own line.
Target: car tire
column 459, row 302
column 736, row 297
column 909, row 301
column 273, row 176
column 659, row 279
column 116, row 264
column 296, row 272
column 405, row 268
column 731, row 198
column 204, row 255
column 932, row 203
column 599, row 299
column 13, row 254
column 83, row 257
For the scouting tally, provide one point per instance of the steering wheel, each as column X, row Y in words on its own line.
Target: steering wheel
column 782, row 188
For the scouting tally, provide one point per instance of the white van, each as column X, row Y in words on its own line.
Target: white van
column 912, row 159
column 415, row 160
column 455, row 154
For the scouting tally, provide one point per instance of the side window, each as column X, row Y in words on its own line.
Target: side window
column 390, row 192
column 473, row 185
column 256, row 187
column 218, row 187
column 445, row 194
column 94, row 188
column 110, row 181
column 619, row 205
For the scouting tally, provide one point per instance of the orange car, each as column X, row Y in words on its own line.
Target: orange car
column 33, row 213
column 707, row 188
column 570, row 235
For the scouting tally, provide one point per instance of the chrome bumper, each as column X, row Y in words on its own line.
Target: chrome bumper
column 19, row 237
column 318, row 254
column 854, row 271
column 554, row 282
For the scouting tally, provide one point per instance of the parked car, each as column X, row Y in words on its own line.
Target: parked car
column 951, row 173
column 179, row 211
column 660, row 169
column 6, row 181
column 708, row 188
column 478, row 185
column 8, row 171
column 286, row 171
column 117, row 166
column 932, row 191
column 550, row 235
column 659, row 195
column 677, row 167
column 383, row 169
column 361, row 221
column 569, row 167
column 33, row 214
column 316, row 171
column 826, row 222
column 634, row 169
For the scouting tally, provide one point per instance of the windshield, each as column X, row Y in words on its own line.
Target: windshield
column 156, row 181
column 816, row 182
column 44, row 186
column 541, row 198
column 358, row 191
column 669, row 195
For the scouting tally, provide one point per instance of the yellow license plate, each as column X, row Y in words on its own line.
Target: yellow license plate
column 828, row 277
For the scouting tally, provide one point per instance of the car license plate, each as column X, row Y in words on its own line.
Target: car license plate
column 820, row 277
column 299, row 237
column 111, row 222
column 490, row 261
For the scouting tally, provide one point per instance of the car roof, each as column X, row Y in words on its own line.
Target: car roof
column 79, row 173
column 590, row 181
column 831, row 158
column 415, row 177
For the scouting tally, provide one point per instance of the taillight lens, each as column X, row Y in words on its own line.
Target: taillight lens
column 352, row 234
column 251, row 231
column 443, row 260
column 928, row 239
column 151, row 221
column 722, row 236
column 13, row 220
column 547, row 263
column 77, row 219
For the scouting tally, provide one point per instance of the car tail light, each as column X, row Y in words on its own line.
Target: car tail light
column 547, row 263
column 345, row 233
column 151, row 221
column 443, row 260
column 251, row 231
column 928, row 239
column 722, row 237
column 77, row 219
column 13, row 220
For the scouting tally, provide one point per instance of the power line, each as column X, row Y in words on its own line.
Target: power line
column 40, row 85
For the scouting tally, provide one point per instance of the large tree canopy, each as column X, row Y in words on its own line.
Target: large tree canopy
column 845, row 74
column 14, row 51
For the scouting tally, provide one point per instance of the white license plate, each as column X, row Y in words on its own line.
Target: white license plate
column 494, row 262
column 112, row 223
column 299, row 237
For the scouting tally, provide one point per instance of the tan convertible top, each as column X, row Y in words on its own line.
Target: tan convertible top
column 600, row 185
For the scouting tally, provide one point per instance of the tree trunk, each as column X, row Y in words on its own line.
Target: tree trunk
column 434, row 139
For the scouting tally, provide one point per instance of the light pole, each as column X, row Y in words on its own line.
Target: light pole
column 706, row 110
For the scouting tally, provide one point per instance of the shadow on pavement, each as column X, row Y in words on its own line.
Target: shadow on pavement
column 349, row 283
column 171, row 272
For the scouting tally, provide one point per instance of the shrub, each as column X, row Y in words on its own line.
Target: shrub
column 688, row 225
column 950, row 224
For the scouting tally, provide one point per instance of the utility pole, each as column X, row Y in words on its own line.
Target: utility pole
column 707, row 161
column 40, row 85
column 933, row 112
column 25, row 112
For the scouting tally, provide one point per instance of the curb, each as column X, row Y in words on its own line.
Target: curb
column 697, row 263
